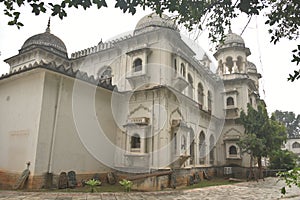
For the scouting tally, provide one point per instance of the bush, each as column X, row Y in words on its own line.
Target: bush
column 283, row 159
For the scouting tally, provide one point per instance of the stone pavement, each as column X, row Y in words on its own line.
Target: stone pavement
column 268, row 189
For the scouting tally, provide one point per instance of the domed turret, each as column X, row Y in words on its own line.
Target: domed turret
column 232, row 55
column 153, row 21
column 47, row 41
column 251, row 67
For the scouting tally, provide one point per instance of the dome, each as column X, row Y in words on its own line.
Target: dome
column 45, row 40
column 232, row 38
column 153, row 21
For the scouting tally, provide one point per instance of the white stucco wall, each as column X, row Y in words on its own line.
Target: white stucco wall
column 20, row 106
column 60, row 147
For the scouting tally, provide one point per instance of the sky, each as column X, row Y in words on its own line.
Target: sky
column 84, row 29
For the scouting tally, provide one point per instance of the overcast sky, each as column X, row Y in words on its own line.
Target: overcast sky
column 83, row 29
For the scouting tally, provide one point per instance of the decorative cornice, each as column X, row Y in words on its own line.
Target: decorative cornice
column 77, row 74
column 100, row 47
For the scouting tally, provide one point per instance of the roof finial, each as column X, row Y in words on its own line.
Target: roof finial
column 48, row 26
column 229, row 31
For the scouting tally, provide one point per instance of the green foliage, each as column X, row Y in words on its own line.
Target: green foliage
column 291, row 122
column 93, row 184
column 291, row 177
column 213, row 15
column 283, row 159
column 126, row 184
column 264, row 135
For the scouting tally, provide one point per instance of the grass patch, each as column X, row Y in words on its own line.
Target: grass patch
column 105, row 187
column 86, row 189
column 208, row 183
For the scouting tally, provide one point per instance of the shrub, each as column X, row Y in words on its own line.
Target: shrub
column 93, row 184
column 126, row 184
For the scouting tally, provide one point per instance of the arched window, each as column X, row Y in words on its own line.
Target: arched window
column 295, row 145
column 135, row 141
column 229, row 65
column 182, row 70
column 202, row 147
column 229, row 101
column 212, row 149
column 200, row 94
column 105, row 74
column 137, row 65
column 232, row 150
column 209, row 101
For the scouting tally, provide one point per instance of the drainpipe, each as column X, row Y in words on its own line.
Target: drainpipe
column 152, row 128
column 54, row 128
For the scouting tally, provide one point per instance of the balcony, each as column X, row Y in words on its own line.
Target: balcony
column 139, row 121
column 137, row 79
column 179, row 83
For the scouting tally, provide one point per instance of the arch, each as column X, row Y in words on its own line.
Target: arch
column 200, row 92
column 192, row 147
column 202, row 146
column 220, row 67
column 209, row 100
column 105, row 72
column 182, row 70
column 239, row 63
column 175, row 142
column 229, row 64
column 296, row 145
column 190, row 79
column 229, row 101
column 232, row 150
column 175, row 65
column 137, row 65
column 135, row 141
column 183, row 143
column 190, row 88
column 212, row 149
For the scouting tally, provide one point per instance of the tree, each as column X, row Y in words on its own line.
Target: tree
column 283, row 159
column 283, row 17
column 291, row 122
column 263, row 135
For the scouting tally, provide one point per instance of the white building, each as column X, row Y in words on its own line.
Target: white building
column 135, row 104
column 293, row 144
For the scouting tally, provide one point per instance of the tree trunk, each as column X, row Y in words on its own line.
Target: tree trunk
column 250, row 176
column 260, row 170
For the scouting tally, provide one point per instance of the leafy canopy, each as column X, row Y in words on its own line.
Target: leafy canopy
column 283, row 17
column 291, row 122
column 263, row 135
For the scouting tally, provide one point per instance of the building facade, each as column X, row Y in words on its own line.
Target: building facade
column 139, row 103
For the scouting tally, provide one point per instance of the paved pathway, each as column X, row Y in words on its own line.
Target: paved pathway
column 268, row 189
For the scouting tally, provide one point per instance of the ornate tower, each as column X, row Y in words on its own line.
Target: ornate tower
column 240, row 80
